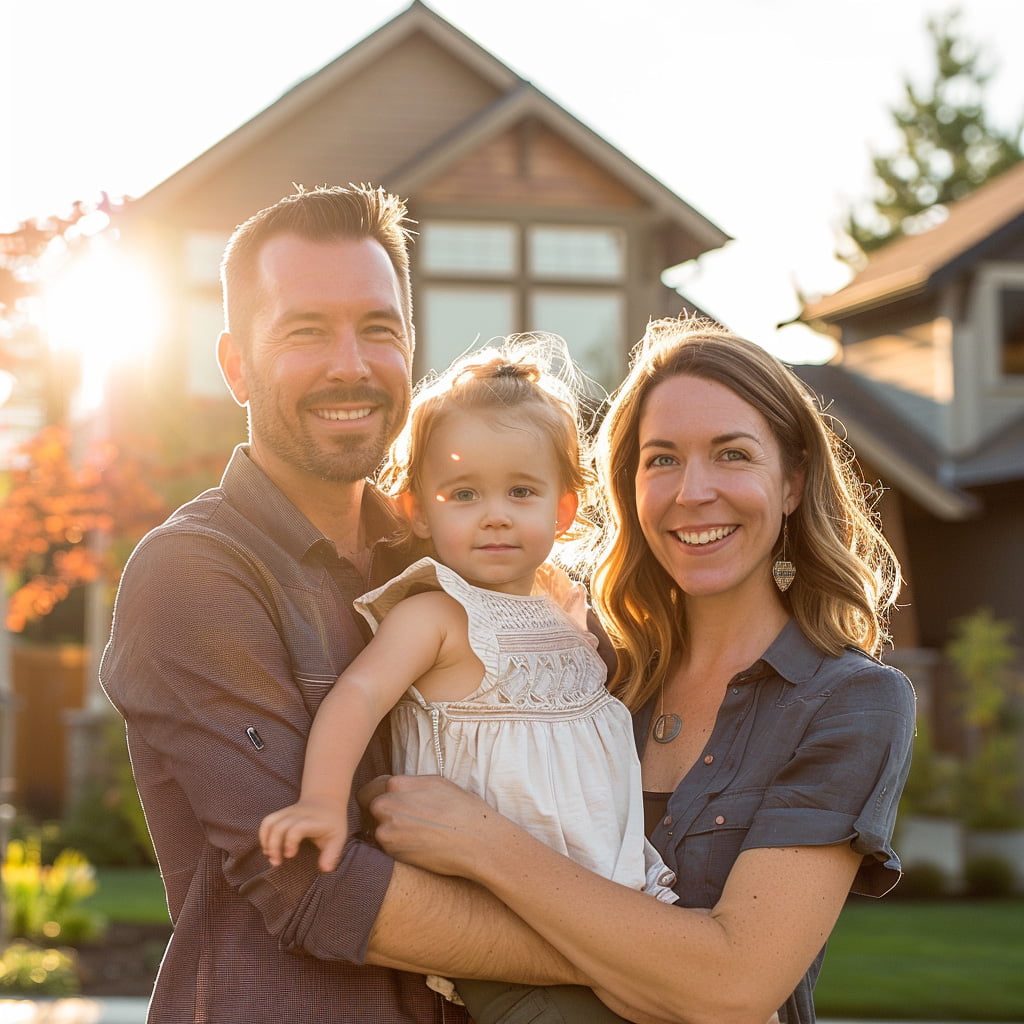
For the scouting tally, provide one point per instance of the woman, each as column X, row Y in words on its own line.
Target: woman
column 745, row 585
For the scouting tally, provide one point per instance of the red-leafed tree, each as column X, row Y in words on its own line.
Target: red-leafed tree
column 65, row 522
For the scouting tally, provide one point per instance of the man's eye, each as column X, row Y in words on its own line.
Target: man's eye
column 382, row 332
column 734, row 455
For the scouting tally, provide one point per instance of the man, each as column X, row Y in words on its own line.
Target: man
column 234, row 618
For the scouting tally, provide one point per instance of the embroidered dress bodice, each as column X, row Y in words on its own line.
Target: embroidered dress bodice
column 540, row 739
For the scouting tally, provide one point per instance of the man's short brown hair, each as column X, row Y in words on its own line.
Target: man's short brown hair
column 321, row 214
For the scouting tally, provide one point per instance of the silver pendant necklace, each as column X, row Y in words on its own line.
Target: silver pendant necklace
column 666, row 727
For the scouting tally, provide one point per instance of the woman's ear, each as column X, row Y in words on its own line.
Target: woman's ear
column 565, row 514
column 794, row 491
column 411, row 509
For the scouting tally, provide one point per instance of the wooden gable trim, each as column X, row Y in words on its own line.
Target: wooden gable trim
column 524, row 103
column 529, row 165
column 373, row 47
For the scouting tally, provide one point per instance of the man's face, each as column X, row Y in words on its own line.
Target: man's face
column 326, row 372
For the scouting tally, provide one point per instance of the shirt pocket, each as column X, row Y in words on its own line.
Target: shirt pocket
column 715, row 839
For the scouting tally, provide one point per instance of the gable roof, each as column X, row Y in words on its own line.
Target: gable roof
column 914, row 263
column 503, row 99
column 936, row 480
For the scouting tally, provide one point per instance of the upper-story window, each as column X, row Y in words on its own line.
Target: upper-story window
column 1001, row 320
column 480, row 280
column 1011, row 329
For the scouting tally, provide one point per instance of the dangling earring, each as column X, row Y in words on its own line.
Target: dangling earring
column 784, row 572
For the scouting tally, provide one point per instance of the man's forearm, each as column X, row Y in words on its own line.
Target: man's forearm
column 434, row 924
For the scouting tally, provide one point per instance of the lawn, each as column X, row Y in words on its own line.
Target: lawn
column 130, row 894
column 887, row 959
column 949, row 960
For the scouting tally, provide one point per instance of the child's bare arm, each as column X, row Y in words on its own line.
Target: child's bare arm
column 408, row 643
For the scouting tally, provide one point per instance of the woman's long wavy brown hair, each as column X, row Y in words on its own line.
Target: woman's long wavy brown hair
column 847, row 575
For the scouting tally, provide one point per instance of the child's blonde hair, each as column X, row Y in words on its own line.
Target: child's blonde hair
column 526, row 372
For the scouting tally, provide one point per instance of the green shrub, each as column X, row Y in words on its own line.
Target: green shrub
column 44, row 903
column 107, row 823
column 921, row 881
column 30, row 970
column 988, row 876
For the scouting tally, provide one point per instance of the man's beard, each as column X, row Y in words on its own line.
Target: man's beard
column 343, row 460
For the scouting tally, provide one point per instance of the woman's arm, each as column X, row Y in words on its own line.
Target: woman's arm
column 406, row 646
column 737, row 964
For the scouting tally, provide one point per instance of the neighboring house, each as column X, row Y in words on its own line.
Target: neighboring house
column 929, row 384
column 527, row 219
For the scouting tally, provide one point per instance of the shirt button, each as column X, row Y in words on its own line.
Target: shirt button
column 709, row 758
column 668, row 820
column 720, row 820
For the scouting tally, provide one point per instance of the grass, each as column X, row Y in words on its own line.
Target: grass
column 887, row 959
column 947, row 960
column 130, row 894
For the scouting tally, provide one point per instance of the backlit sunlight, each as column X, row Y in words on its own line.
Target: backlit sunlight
column 102, row 310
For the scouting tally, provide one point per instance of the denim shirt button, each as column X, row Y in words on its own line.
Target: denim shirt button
column 709, row 758
column 720, row 820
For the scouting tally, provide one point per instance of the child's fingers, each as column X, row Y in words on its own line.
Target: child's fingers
column 275, row 830
column 330, row 851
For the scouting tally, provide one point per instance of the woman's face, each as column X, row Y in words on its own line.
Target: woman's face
column 711, row 490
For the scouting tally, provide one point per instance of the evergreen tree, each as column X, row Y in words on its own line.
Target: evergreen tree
column 948, row 148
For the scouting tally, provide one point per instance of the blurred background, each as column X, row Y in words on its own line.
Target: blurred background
column 842, row 183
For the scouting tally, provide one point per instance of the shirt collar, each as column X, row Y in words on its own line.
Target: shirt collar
column 250, row 490
column 792, row 655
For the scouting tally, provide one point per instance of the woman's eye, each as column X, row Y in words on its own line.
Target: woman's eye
column 658, row 461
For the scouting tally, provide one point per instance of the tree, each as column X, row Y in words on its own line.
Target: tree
column 54, row 509
column 949, row 146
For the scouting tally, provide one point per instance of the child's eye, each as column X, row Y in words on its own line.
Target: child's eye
column 463, row 494
column 521, row 492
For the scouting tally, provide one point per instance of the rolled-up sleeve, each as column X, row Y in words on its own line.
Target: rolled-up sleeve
column 201, row 666
column 845, row 778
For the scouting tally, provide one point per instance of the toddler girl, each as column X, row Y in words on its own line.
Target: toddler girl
column 482, row 654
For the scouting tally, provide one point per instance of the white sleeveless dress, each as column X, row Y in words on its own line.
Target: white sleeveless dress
column 540, row 739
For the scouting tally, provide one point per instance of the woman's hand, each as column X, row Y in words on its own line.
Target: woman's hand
column 431, row 823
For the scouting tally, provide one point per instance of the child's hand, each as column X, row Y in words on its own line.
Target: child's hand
column 326, row 824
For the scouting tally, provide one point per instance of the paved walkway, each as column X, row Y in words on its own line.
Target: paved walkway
column 121, row 1011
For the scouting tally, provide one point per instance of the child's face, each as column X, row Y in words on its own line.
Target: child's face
column 491, row 500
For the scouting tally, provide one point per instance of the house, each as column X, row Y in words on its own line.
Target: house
column 526, row 218
column 929, row 385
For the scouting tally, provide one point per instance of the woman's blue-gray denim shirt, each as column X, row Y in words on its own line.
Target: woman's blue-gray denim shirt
column 808, row 750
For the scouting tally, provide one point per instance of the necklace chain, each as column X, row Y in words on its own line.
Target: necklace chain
column 666, row 727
